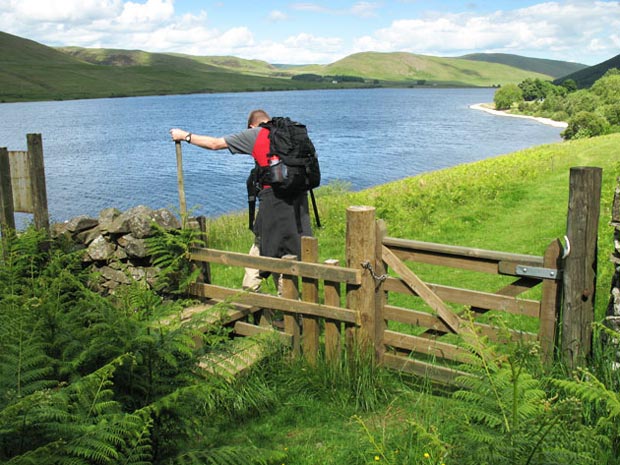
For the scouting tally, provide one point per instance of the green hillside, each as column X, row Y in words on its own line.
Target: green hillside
column 553, row 68
column 408, row 67
column 32, row 71
column 588, row 76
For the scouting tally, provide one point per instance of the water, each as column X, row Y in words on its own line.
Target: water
column 118, row 153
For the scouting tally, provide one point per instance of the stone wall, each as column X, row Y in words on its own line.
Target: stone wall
column 613, row 309
column 114, row 244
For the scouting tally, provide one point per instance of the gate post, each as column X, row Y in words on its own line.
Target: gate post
column 7, row 214
column 579, row 282
column 37, row 181
column 360, row 252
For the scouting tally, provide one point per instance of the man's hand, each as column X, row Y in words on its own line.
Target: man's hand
column 178, row 135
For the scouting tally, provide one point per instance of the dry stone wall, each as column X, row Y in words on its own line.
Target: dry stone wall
column 613, row 309
column 114, row 244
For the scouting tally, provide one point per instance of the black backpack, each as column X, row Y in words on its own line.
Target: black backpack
column 298, row 168
column 289, row 142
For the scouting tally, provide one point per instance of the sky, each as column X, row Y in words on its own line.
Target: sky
column 581, row 31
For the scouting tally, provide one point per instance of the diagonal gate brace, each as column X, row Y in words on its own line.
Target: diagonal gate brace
column 456, row 324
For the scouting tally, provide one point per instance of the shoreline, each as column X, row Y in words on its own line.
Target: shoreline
column 547, row 121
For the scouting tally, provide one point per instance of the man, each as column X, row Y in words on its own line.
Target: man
column 280, row 222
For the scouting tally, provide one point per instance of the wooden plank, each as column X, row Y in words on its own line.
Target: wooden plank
column 426, row 346
column 20, row 181
column 333, row 334
column 427, row 320
column 439, row 374
column 247, row 329
column 459, row 251
column 484, row 300
column 550, row 303
column 214, row 311
column 274, row 302
column 381, row 295
column 37, row 181
column 447, row 316
column 290, row 291
column 310, row 293
column 481, row 266
column 276, row 265
column 241, row 355
column 7, row 213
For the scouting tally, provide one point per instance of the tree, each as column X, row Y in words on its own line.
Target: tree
column 585, row 124
column 506, row 96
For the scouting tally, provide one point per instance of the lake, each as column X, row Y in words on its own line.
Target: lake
column 117, row 152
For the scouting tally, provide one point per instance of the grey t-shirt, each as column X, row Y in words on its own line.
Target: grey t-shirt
column 242, row 142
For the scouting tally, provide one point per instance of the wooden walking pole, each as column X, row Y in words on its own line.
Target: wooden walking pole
column 183, row 206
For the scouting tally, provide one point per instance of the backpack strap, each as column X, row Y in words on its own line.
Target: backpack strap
column 316, row 210
column 252, row 192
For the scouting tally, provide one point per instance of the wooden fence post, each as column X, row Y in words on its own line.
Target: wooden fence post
column 332, row 327
column 7, row 214
column 290, row 290
column 37, row 181
column 579, row 278
column 360, row 252
column 310, row 293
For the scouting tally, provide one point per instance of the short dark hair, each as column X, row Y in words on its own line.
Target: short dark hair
column 257, row 116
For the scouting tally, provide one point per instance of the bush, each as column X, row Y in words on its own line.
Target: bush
column 611, row 113
column 585, row 124
column 506, row 96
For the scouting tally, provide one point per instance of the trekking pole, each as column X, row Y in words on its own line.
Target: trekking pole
column 183, row 207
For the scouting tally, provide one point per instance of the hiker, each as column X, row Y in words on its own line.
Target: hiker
column 281, row 221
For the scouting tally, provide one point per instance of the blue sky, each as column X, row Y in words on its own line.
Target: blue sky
column 296, row 32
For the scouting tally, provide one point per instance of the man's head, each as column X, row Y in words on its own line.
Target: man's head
column 256, row 117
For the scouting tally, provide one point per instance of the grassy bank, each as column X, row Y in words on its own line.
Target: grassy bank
column 513, row 203
column 90, row 379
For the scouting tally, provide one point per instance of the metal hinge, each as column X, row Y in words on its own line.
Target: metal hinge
column 537, row 272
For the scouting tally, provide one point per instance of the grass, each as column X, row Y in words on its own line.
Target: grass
column 514, row 203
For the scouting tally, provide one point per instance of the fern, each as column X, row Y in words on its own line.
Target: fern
column 170, row 252
column 509, row 417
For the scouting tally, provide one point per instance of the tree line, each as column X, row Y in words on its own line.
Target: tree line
column 589, row 112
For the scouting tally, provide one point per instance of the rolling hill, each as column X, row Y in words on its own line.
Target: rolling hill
column 408, row 67
column 33, row 71
column 552, row 68
column 588, row 76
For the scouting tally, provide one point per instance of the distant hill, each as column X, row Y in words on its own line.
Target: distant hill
column 552, row 68
column 33, row 71
column 588, row 76
column 409, row 67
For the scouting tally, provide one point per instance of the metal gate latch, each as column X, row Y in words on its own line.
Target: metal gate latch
column 537, row 272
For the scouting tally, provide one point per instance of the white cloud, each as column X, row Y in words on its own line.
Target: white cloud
column 550, row 29
column 151, row 12
column 277, row 15
column 62, row 11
